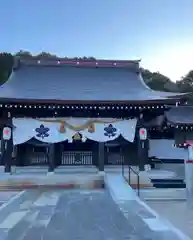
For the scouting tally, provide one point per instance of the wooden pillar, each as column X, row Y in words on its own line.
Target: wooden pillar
column 101, row 156
column 95, row 155
column 2, row 150
column 142, row 144
column 8, row 155
column 21, row 156
column 58, row 154
column 142, row 155
column 26, row 154
column 51, row 157
column 189, row 177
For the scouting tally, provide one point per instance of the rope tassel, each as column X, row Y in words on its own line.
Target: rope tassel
column 62, row 128
column 91, row 128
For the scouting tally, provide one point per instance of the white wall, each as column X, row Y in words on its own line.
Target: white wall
column 163, row 148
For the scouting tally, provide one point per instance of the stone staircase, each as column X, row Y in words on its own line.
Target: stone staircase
column 169, row 183
column 64, row 177
column 163, row 194
column 59, row 170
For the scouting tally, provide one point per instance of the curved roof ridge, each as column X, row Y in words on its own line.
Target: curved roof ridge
column 81, row 62
column 161, row 93
column 94, row 84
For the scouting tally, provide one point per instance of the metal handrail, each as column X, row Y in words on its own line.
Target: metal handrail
column 158, row 160
column 129, row 179
column 136, row 173
column 154, row 161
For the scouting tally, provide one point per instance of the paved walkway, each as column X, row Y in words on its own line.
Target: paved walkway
column 67, row 215
column 148, row 222
column 177, row 213
column 112, row 214
column 5, row 196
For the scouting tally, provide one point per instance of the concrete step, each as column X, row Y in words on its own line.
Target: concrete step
column 76, row 169
column 58, row 170
column 169, row 183
column 163, row 194
column 22, row 181
column 29, row 170
column 168, row 180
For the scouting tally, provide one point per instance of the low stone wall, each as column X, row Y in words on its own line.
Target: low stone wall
column 70, row 181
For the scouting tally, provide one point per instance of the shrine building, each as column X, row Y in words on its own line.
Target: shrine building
column 80, row 112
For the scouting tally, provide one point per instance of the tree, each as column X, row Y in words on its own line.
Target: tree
column 6, row 63
column 45, row 55
column 158, row 81
column 24, row 54
column 186, row 83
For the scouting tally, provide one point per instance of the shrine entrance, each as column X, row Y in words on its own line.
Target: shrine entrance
column 113, row 154
column 76, row 153
column 32, row 153
column 76, row 158
column 75, row 142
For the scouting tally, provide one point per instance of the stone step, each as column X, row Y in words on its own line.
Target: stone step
column 169, row 183
column 76, row 169
column 18, row 182
column 168, row 180
column 163, row 194
column 58, row 170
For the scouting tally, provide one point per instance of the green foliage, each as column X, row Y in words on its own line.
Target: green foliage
column 186, row 83
column 159, row 82
column 24, row 54
column 6, row 63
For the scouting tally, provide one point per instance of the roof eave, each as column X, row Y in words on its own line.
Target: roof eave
column 56, row 101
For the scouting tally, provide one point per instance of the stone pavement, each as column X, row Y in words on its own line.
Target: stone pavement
column 66, row 215
column 147, row 221
column 76, row 214
column 5, row 196
column 177, row 212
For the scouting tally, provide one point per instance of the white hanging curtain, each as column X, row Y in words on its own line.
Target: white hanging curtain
column 58, row 130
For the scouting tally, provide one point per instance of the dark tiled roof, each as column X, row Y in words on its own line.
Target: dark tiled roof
column 180, row 115
column 156, row 122
column 74, row 80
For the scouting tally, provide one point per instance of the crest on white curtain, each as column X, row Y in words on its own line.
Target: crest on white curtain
column 49, row 130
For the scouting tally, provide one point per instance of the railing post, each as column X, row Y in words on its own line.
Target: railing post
column 138, row 178
column 123, row 166
column 138, row 185
column 101, row 156
column 129, row 176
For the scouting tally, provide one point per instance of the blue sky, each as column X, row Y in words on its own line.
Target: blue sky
column 160, row 32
